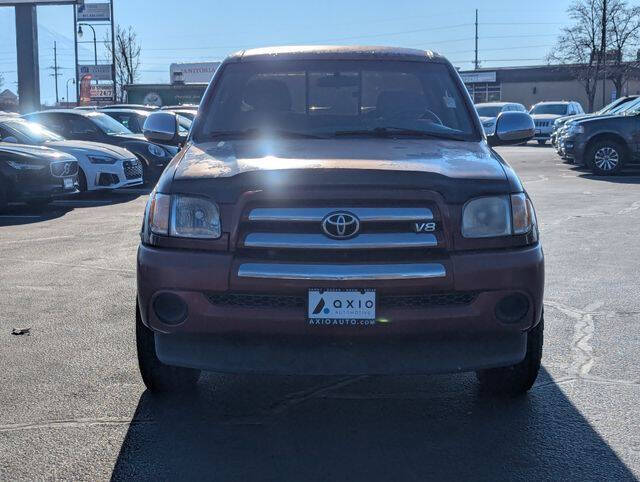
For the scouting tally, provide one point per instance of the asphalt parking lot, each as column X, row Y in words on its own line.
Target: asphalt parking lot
column 72, row 405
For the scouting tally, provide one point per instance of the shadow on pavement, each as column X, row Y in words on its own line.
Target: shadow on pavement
column 420, row 428
column 18, row 214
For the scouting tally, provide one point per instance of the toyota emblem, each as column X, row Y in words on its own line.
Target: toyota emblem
column 340, row 225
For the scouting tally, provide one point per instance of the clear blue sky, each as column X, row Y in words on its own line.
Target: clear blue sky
column 511, row 32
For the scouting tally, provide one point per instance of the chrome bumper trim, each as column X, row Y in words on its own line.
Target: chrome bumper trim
column 319, row 213
column 319, row 241
column 344, row 272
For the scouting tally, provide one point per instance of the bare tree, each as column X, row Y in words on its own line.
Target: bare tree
column 623, row 40
column 1, row 80
column 579, row 46
column 127, row 58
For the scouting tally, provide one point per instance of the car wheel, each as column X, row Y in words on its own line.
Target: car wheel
column 519, row 378
column 542, row 142
column 157, row 376
column 82, row 181
column 606, row 158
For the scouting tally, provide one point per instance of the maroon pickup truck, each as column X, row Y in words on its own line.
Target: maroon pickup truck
column 338, row 210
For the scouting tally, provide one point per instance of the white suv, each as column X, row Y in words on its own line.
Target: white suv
column 545, row 113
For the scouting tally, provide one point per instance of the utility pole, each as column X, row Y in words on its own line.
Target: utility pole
column 476, row 63
column 604, row 52
column 55, row 69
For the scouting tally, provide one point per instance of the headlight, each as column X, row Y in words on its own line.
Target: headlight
column 194, row 217
column 576, row 129
column 25, row 166
column 102, row 159
column 486, row 217
column 490, row 217
column 157, row 151
column 183, row 217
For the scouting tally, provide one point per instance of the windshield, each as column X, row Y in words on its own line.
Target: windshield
column 336, row 98
column 632, row 105
column 34, row 133
column 108, row 124
column 554, row 109
column 488, row 110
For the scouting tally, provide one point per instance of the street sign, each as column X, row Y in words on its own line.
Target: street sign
column 101, row 92
column 97, row 72
column 94, row 12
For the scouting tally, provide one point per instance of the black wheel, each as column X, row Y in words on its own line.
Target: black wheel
column 516, row 379
column 157, row 376
column 82, row 181
column 542, row 142
column 606, row 157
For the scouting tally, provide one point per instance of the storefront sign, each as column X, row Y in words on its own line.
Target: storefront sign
column 478, row 77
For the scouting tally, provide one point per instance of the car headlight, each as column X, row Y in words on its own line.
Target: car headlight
column 183, row 216
column 25, row 166
column 157, row 151
column 490, row 217
column 102, row 159
column 576, row 129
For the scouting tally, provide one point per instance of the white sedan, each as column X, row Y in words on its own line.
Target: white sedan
column 102, row 166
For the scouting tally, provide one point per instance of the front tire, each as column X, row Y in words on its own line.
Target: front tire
column 157, row 376
column 606, row 158
column 519, row 378
column 542, row 142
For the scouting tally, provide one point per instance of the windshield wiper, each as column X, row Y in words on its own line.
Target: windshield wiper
column 254, row 132
column 385, row 132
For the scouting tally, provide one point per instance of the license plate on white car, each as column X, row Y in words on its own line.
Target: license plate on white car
column 538, row 131
column 68, row 182
column 342, row 307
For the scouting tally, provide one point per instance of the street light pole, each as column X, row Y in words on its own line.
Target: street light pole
column 73, row 81
column 95, row 43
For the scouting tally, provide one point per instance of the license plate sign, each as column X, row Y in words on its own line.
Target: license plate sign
column 342, row 307
column 68, row 182
column 538, row 131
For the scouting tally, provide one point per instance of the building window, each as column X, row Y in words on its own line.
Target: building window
column 484, row 92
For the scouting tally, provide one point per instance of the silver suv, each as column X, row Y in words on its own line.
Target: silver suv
column 489, row 112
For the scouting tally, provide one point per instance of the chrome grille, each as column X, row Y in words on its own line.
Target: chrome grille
column 64, row 168
column 132, row 169
column 542, row 123
column 301, row 228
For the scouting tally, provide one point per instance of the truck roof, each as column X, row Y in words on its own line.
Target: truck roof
column 334, row 52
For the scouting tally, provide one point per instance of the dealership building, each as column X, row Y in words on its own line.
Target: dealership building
column 529, row 85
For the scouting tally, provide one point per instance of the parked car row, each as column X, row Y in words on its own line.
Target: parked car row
column 604, row 141
column 59, row 152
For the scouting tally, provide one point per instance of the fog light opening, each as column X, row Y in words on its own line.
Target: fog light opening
column 512, row 308
column 170, row 308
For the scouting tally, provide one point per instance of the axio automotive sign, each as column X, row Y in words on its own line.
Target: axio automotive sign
column 193, row 73
column 97, row 72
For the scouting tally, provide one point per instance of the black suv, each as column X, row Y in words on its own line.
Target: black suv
column 605, row 144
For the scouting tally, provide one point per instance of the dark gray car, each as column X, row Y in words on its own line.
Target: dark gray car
column 605, row 144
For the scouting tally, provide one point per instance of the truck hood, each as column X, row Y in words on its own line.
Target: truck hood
column 454, row 159
column 90, row 148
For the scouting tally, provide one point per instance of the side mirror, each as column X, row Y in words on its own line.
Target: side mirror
column 162, row 127
column 10, row 139
column 512, row 128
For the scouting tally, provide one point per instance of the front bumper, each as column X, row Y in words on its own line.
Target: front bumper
column 125, row 173
column 574, row 148
column 232, row 337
